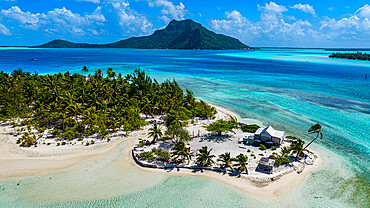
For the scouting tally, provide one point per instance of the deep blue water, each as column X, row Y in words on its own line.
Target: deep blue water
column 289, row 89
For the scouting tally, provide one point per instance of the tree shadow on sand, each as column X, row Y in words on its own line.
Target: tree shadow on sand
column 217, row 138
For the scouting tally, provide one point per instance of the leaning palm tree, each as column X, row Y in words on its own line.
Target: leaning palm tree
column 226, row 160
column 315, row 129
column 155, row 133
column 204, row 157
column 242, row 163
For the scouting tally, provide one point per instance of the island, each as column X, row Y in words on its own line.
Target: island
column 347, row 49
column 185, row 34
column 76, row 117
column 355, row 56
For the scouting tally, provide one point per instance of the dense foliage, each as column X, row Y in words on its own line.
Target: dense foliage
column 249, row 128
column 204, row 157
column 221, row 126
column 74, row 106
column 357, row 56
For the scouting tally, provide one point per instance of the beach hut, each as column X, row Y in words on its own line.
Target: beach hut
column 269, row 135
column 266, row 164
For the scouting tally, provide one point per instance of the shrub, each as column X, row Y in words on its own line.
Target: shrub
column 57, row 132
column 279, row 159
column 147, row 156
column 27, row 140
column 248, row 150
column 221, row 126
column 63, row 143
column 262, row 147
column 162, row 155
column 291, row 137
column 48, row 144
column 273, row 148
column 58, row 144
column 143, row 142
column 249, row 128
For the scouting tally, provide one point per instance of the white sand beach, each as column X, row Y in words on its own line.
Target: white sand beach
column 17, row 161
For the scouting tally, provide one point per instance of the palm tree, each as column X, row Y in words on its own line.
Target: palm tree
column 226, row 160
column 204, row 157
column 285, row 151
column 242, row 163
column 180, row 150
column 314, row 129
column 155, row 132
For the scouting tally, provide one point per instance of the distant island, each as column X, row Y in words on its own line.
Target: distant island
column 185, row 34
column 347, row 49
column 356, row 56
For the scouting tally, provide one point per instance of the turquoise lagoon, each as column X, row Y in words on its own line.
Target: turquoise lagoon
column 289, row 89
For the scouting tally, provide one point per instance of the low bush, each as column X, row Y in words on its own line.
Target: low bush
column 262, row 147
column 27, row 140
column 147, row 156
column 162, row 155
column 273, row 148
column 249, row 128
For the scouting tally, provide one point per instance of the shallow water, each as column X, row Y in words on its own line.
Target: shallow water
column 284, row 88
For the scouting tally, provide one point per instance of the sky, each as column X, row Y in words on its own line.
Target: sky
column 258, row 23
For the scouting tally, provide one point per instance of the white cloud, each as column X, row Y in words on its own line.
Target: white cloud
column 27, row 19
column 276, row 27
column 273, row 25
column 4, row 30
column 96, row 15
column 93, row 1
column 113, row 16
column 305, row 8
column 131, row 22
column 272, row 7
column 356, row 26
column 57, row 20
column 168, row 8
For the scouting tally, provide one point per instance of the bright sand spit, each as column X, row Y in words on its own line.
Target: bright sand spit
column 80, row 165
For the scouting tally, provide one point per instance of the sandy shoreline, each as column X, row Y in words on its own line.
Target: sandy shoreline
column 20, row 163
column 273, row 190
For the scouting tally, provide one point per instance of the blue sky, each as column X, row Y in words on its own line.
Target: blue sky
column 290, row 23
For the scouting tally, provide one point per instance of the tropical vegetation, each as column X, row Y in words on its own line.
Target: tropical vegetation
column 226, row 161
column 241, row 165
column 181, row 151
column 155, row 132
column 220, row 126
column 204, row 157
column 356, row 56
column 75, row 106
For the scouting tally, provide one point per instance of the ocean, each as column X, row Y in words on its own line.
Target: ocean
column 289, row 89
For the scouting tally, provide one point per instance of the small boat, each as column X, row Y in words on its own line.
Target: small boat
column 33, row 59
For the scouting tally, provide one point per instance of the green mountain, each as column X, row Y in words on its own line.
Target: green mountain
column 185, row 34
